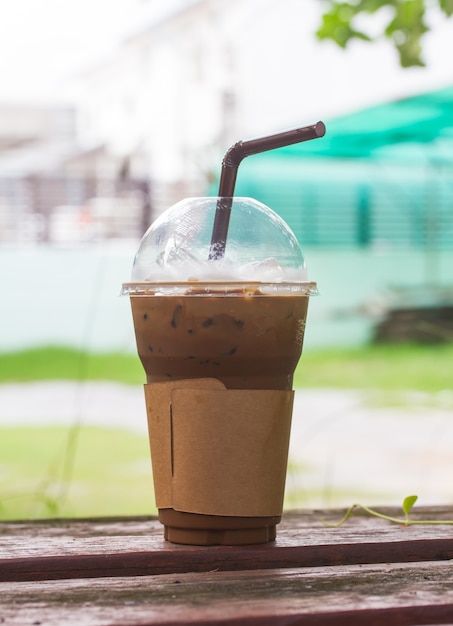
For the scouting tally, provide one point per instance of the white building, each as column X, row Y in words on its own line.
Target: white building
column 167, row 98
column 175, row 96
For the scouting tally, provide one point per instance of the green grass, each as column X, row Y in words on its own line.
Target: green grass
column 108, row 474
column 391, row 367
column 385, row 368
column 62, row 363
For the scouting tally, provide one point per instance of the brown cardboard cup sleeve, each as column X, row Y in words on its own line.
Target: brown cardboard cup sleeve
column 218, row 451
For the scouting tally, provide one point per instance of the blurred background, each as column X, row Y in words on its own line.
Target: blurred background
column 111, row 111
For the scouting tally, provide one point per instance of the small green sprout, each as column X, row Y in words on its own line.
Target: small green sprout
column 408, row 503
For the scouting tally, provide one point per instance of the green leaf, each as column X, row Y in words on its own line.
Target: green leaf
column 408, row 503
column 337, row 25
column 404, row 24
column 446, row 6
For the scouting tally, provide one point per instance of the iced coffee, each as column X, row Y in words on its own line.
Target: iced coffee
column 219, row 297
column 219, row 353
column 241, row 335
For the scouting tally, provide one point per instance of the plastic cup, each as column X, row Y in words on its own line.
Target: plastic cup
column 219, row 341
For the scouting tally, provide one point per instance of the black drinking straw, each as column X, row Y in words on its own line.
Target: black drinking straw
column 230, row 164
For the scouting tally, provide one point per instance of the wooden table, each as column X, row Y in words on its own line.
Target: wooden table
column 121, row 571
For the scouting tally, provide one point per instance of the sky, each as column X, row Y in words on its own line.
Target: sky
column 45, row 42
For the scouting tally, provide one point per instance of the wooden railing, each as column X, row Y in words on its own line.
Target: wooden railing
column 121, row 571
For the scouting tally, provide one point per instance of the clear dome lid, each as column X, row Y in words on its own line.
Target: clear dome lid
column 260, row 245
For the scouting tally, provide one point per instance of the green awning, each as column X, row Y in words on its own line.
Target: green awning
column 376, row 176
column 410, row 123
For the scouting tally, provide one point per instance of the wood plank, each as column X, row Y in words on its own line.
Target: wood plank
column 358, row 595
column 58, row 549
